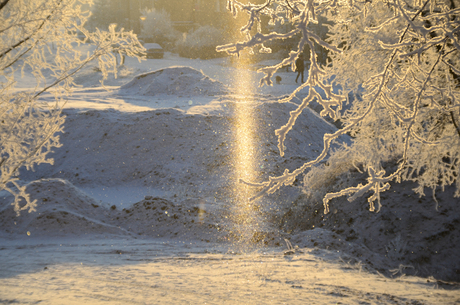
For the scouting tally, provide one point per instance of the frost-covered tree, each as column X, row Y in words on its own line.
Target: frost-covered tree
column 402, row 59
column 157, row 27
column 39, row 41
column 106, row 12
column 201, row 42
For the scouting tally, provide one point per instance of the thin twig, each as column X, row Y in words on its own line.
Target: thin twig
column 455, row 122
column 31, row 35
column 3, row 3
column 266, row 5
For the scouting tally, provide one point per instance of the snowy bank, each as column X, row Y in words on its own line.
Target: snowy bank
column 180, row 155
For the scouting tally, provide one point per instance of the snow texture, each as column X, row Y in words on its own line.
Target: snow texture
column 173, row 81
column 143, row 193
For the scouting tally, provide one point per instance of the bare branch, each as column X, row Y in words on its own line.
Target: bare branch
column 14, row 46
column 3, row 4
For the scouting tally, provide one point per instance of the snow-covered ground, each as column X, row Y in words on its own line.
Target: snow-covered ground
column 143, row 205
column 107, row 271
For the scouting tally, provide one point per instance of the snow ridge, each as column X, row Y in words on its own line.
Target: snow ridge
column 174, row 80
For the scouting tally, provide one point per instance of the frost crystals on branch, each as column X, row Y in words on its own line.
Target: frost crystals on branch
column 40, row 38
column 402, row 59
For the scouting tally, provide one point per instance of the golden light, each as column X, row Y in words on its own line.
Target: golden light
column 143, row 18
column 245, row 155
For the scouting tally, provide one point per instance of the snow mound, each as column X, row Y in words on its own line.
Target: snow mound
column 152, row 140
column 159, row 217
column 62, row 209
column 174, row 81
column 408, row 236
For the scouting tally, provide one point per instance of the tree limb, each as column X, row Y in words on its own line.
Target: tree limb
column 455, row 122
column 3, row 3
column 31, row 35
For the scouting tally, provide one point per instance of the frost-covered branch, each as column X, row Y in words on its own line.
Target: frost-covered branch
column 3, row 3
column 404, row 58
column 39, row 36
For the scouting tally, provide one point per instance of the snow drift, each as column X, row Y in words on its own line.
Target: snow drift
column 174, row 81
column 409, row 233
column 64, row 210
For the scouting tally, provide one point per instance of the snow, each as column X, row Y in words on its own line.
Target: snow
column 159, row 272
column 174, row 80
column 142, row 204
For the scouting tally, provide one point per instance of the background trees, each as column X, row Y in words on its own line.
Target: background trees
column 402, row 60
column 157, row 27
column 105, row 12
column 40, row 39
column 125, row 13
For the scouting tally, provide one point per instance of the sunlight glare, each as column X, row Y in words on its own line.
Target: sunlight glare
column 245, row 155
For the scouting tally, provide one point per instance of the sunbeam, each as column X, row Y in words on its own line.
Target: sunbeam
column 245, row 157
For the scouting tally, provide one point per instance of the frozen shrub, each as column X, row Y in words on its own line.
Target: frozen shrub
column 104, row 13
column 200, row 43
column 327, row 177
column 157, row 27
